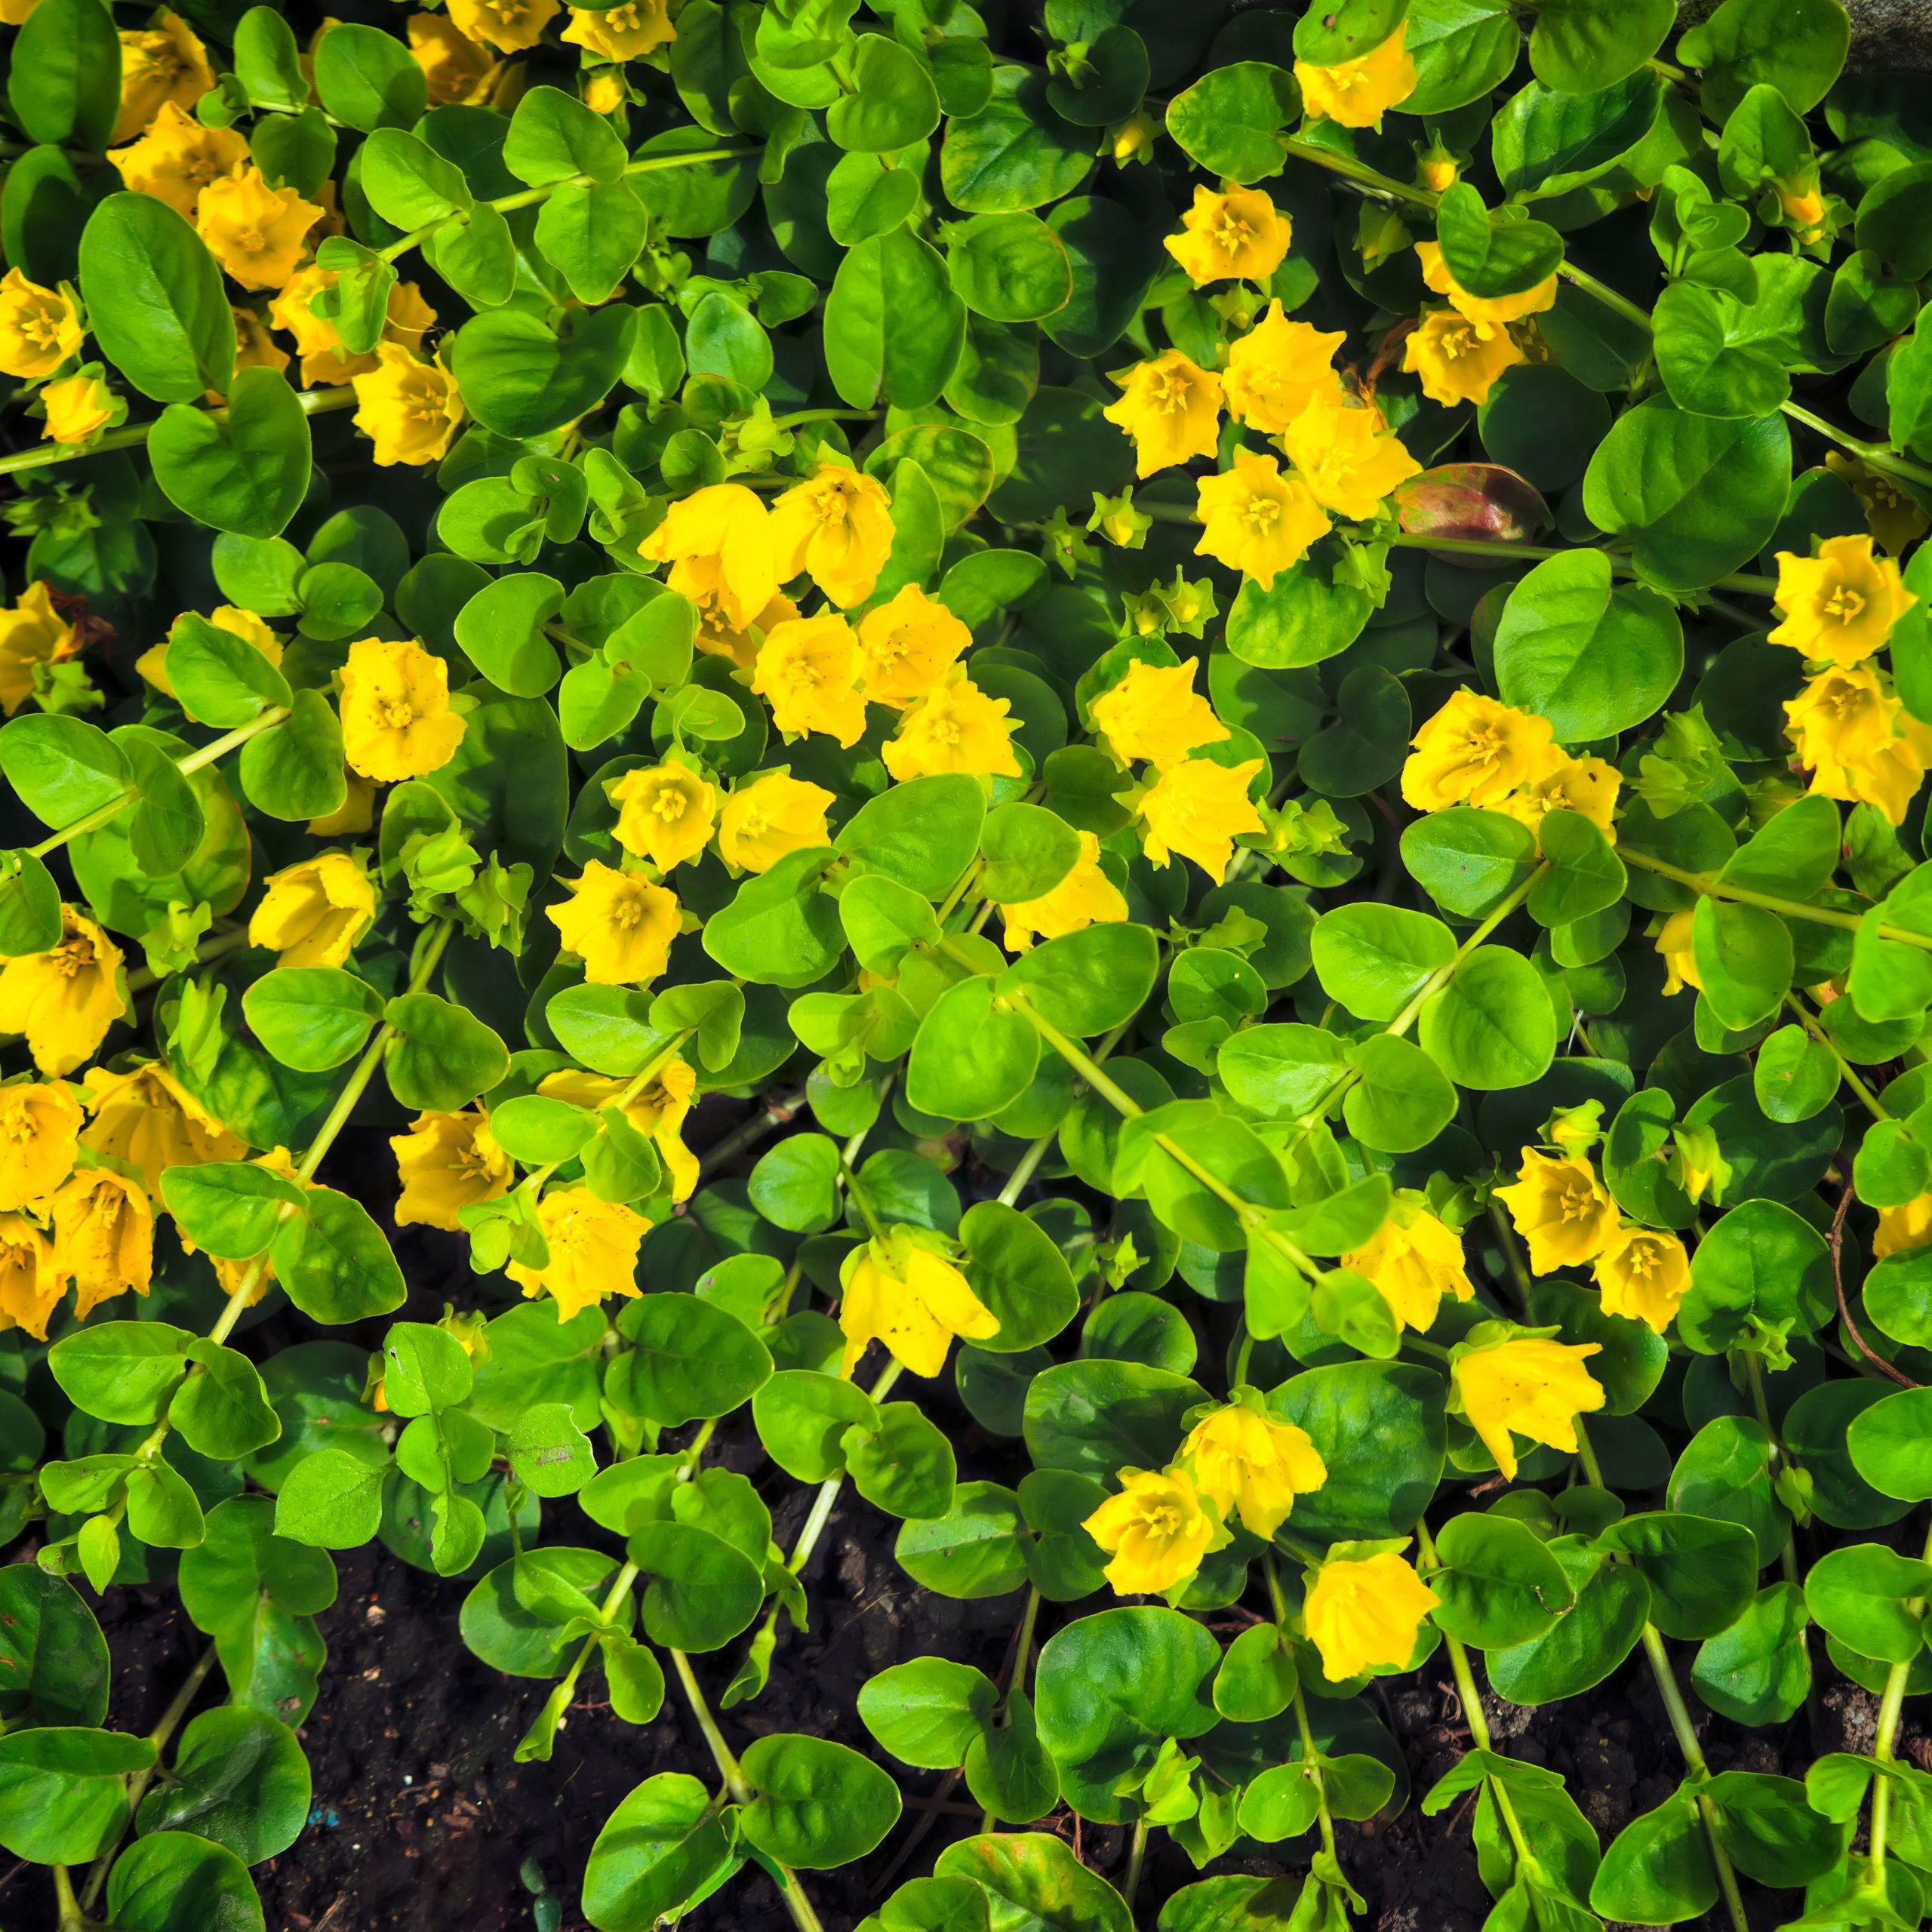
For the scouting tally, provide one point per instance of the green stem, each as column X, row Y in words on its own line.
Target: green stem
column 1713, row 887
column 1325, row 1817
column 72, row 1919
column 314, row 402
column 1136, row 1858
column 1029, row 1161
column 1847, row 1072
column 1023, row 1658
column 1755, row 1373
column 105, row 815
column 1889, row 1706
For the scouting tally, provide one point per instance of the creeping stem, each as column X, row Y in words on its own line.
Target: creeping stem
column 1889, row 1706
column 1712, row 886
column 314, row 402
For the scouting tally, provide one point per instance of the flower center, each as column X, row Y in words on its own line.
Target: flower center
column 40, row 327
column 1576, row 1202
column 1261, row 514
column 1162, row 1520
column 397, row 713
column 73, row 957
column 1844, row 604
column 946, row 730
column 831, row 505
column 1231, row 234
column 754, row 824
column 802, row 675
column 669, row 805
column 1168, row 391
column 1456, row 342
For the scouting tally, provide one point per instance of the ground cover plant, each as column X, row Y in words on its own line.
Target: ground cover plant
column 1231, row 707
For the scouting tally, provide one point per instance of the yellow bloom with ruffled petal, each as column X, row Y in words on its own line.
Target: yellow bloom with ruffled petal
column 103, row 1237
column 30, row 1285
column 1155, row 713
column 956, row 728
column 1348, row 457
column 39, row 327
column 1277, row 369
column 718, row 637
column 177, row 157
column 162, row 62
column 1156, row 1531
column 409, row 409
column 1560, row 1210
column 657, row 1111
column 511, row 26
column 622, row 33
column 1238, row 234
column 807, row 670
column 619, row 923
column 762, row 822
column 1908, row 1225
column 1530, row 1387
column 1256, row 521
column 1365, row 1614
column 64, row 1000
column 32, row 632
column 313, row 913
column 1198, row 809
column 1643, row 1273
column 256, row 232
column 1587, row 785
column 1085, row 897
column 1357, row 93
column 1245, row 1462
column 40, row 1125
column 446, row 1162
column 143, row 1119
column 836, row 527
column 1896, row 520
column 895, row 1291
column 1474, row 751
column 593, row 1247
column 1839, row 606
column 1171, row 407
column 78, row 407
column 1674, row 948
column 1858, row 742
column 324, row 361
column 1486, row 311
column 908, row 644
column 396, row 719
column 718, row 542
column 459, row 71
column 665, row 813
column 1457, row 360
column 1412, row 1261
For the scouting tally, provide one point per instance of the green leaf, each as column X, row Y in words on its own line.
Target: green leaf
column 64, row 80
column 246, row 471
column 368, row 78
column 155, row 299
column 239, row 1779
column 893, row 325
column 1233, row 120
column 663, row 1846
column 442, row 1056
column 816, row 1804
column 63, row 1797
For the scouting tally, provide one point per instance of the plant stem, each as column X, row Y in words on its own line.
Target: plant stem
column 314, row 402
column 1029, row 1163
column 1136, row 1857
column 1325, row 1817
column 1022, row 1657
column 775, row 1113
column 1713, row 887
column 1847, row 1072
column 1889, row 1706
column 1755, row 1373
column 71, row 1918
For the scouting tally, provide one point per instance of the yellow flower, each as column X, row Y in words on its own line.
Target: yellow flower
column 32, row 632
column 406, row 319
column 1456, row 361
column 1242, row 1460
column 1560, row 1210
column 1643, row 1274
column 177, row 157
column 1198, row 808
column 163, row 62
column 1347, row 456
column 720, row 637
column 1357, row 93
column 1365, row 1613
column 78, row 407
column 40, row 1125
column 152, row 663
column 897, row 1292
column 1486, row 311
column 64, row 999
column 955, row 728
column 1237, row 235
column 666, row 813
column 143, row 1119
column 1896, row 520
column 357, row 812
column 255, row 231
column 604, row 91
column 408, row 408
column 1157, row 1530
column 619, row 923
column 1908, row 1225
column 836, row 527
column 511, row 26
column 1860, row 743
column 446, row 1162
column 459, row 72
column 622, row 33
column 103, row 1237
column 593, row 1251
column 1803, row 205
column 1155, row 713
column 1256, row 521
column 1673, row 945
column 772, row 816
column 1171, row 407
column 39, row 327
column 30, row 1286
column 908, row 644
column 1130, row 140
column 1085, row 897
column 1412, row 1261
column 1839, row 606
column 17, row 13
column 1528, row 1385
column 312, row 914
column 1473, row 751
column 1588, row 785
column 719, row 543
column 1277, row 369
column 255, row 347
column 396, row 719
column 807, row 670
column 658, row 1112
